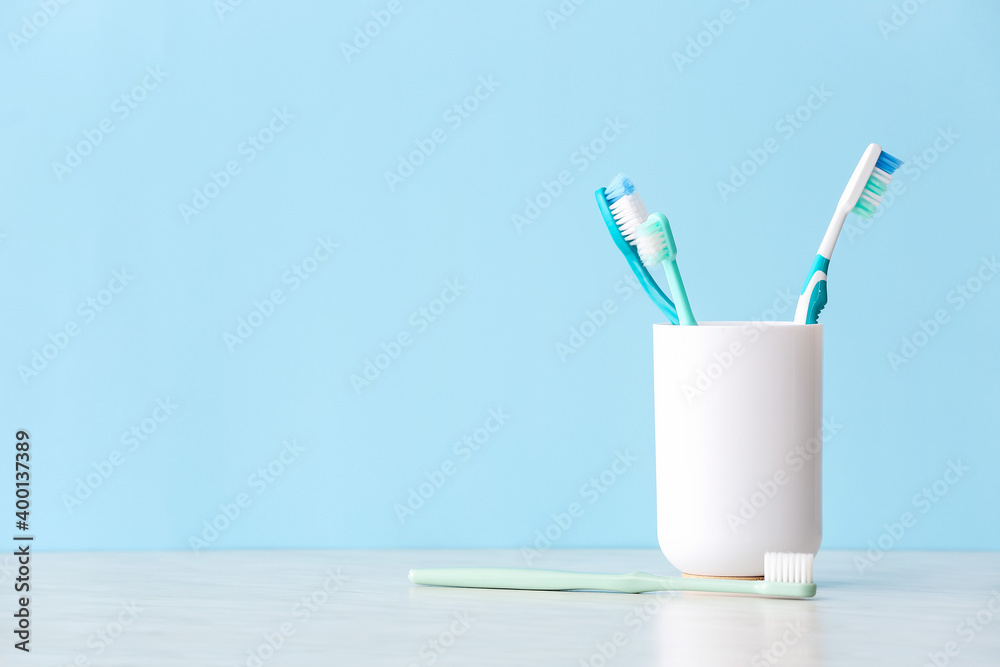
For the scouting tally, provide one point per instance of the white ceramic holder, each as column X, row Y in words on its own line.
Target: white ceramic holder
column 739, row 409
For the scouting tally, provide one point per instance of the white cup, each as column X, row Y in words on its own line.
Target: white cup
column 739, row 409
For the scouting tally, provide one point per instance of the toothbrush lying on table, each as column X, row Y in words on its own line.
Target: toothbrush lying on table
column 623, row 212
column 785, row 575
column 862, row 195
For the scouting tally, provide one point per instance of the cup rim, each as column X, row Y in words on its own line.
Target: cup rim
column 740, row 323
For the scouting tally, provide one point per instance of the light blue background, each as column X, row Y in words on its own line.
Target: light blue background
column 495, row 346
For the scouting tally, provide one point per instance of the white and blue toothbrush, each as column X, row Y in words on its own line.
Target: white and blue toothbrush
column 862, row 195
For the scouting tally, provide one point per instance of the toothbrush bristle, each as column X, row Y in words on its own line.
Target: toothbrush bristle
column 791, row 568
column 619, row 187
column 626, row 206
column 629, row 212
column 877, row 185
column 651, row 242
column 888, row 163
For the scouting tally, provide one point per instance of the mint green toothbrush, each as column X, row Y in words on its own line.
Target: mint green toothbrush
column 785, row 575
column 655, row 243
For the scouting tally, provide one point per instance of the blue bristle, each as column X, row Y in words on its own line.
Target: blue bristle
column 888, row 163
column 619, row 187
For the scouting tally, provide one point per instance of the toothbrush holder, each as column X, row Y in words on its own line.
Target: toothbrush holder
column 738, row 409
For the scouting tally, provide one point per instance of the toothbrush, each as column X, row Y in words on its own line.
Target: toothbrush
column 785, row 575
column 862, row 195
column 623, row 212
column 655, row 243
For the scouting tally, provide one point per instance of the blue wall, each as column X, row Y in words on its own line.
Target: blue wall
column 247, row 237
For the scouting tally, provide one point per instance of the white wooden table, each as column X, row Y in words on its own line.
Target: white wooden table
column 274, row 608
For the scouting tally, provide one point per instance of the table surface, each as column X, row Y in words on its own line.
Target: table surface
column 358, row 608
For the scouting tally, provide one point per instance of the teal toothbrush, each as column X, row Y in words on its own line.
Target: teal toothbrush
column 655, row 244
column 623, row 211
column 785, row 575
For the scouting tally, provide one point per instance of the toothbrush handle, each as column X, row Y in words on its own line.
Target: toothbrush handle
column 652, row 289
column 812, row 300
column 684, row 313
column 535, row 580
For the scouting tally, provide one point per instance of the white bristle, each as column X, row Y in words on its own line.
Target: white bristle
column 881, row 174
column 871, row 196
column 629, row 212
column 792, row 568
column 650, row 247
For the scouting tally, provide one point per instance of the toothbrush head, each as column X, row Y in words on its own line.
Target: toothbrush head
column 655, row 241
column 788, row 575
column 622, row 211
column 626, row 206
column 876, row 168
